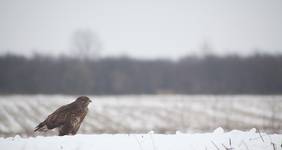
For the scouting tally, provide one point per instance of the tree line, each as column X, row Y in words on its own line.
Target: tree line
column 256, row 74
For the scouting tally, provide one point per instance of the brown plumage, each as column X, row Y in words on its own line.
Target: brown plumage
column 66, row 118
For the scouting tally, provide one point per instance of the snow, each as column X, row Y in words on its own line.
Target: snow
column 191, row 118
column 219, row 139
column 142, row 113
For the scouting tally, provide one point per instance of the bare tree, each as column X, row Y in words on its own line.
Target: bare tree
column 206, row 48
column 86, row 44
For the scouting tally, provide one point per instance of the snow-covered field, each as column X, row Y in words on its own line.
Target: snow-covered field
column 234, row 140
column 141, row 114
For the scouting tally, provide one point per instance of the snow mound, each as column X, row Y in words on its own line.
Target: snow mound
column 212, row 141
column 219, row 130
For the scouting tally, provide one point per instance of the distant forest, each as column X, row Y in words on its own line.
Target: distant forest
column 256, row 74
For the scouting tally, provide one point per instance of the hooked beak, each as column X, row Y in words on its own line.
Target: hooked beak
column 90, row 101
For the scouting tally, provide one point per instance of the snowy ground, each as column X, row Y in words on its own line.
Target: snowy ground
column 141, row 114
column 234, row 140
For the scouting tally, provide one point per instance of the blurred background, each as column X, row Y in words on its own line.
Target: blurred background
column 167, row 66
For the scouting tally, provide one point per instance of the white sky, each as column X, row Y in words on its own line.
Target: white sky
column 144, row 28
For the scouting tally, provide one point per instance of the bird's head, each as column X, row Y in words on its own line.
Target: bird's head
column 83, row 100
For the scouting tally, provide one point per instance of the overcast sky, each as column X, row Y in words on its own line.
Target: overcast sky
column 145, row 28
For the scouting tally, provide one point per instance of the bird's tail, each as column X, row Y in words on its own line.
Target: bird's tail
column 41, row 127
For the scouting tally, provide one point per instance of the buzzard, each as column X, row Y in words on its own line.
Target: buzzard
column 67, row 118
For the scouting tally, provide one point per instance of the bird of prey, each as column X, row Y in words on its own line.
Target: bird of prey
column 67, row 118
